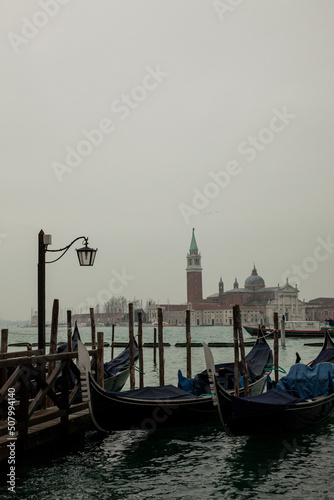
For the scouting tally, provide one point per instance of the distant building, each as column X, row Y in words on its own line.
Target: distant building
column 254, row 292
column 257, row 302
column 203, row 314
column 200, row 314
column 320, row 309
column 106, row 319
column 194, row 273
column 286, row 303
column 34, row 318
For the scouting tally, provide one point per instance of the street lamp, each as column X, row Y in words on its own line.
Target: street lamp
column 86, row 257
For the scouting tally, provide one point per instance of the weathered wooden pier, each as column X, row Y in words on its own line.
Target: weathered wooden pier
column 40, row 410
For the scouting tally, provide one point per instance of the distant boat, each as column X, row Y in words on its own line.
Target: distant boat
column 298, row 329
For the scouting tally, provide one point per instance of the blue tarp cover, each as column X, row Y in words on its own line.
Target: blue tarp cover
column 309, row 382
column 256, row 360
column 155, row 393
column 200, row 384
column 300, row 384
column 263, row 403
column 274, row 397
column 112, row 367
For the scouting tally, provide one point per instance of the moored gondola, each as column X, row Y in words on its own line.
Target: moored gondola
column 302, row 399
column 117, row 371
column 327, row 352
column 168, row 406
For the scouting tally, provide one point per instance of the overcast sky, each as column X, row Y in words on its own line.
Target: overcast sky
column 131, row 122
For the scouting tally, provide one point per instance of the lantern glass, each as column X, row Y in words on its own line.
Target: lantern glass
column 86, row 256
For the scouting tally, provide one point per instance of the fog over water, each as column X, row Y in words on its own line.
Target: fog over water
column 133, row 122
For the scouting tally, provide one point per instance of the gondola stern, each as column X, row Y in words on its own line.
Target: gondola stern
column 328, row 342
column 210, row 366
column 85, row 380
column 90, row 405
column 214, row 384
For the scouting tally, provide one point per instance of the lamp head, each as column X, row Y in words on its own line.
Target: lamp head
column 86, row 255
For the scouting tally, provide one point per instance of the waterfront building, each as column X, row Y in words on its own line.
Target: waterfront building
column 253, row 293
column 257, row 302
column 194, row 273
column 106, row 319
column 320, row 309
column 286, row 303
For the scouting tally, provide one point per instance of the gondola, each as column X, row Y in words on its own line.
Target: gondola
column 300, row 329
column 302, row 399
column 168, row 406
column 117, row 371
column 259, row 362
column 327, row 352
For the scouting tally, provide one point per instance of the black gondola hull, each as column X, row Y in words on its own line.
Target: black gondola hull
column 118, row 412
column 117, row 382
column 249, row 418
column 112, row 412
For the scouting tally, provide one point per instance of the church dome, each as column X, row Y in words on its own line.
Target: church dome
column 254, row 281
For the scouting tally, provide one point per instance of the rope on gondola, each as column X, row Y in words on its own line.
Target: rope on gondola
column 271, row 366
column 267, row 335
column 136, row 368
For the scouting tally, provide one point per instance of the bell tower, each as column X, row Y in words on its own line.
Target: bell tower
column 194, row 273
column 221, row 286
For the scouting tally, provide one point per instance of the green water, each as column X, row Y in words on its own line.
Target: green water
column 193, row 463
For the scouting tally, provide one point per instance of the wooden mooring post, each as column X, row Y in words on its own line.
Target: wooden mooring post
column 236, row 352
column 239, row 342
column 92, row 326
column 131, row 349
column 4, row 341
column 54, row 329
column 243, row 358
column 155, row 346
column 66, row 374
column 3, row 350
column 53, row 342
column 140, row 350
column 69, row 331
column 112, row 341
column 276, row 346
column 283, row 331
column 188, row 340
column 99, row 360
column 161, row 349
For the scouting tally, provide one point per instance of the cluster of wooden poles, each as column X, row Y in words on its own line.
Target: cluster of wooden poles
column 157, row 343
column 239, row 346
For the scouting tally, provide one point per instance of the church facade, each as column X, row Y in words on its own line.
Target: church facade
column 257, row 302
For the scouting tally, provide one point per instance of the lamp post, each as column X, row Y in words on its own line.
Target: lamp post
column 86, row 257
